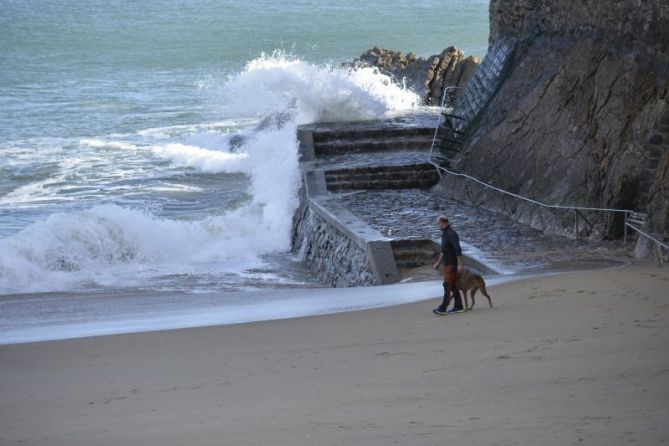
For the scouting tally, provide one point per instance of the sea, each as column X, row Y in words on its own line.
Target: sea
column 151, row 146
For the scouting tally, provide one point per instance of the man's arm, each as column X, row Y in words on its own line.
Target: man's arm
column 438, row 262
column 454, row 240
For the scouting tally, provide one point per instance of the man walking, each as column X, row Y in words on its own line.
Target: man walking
column 450, row 261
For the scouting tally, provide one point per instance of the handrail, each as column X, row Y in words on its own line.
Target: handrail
column 520, row 197
column 658, row 243
column 647, row 235
column 436, row 129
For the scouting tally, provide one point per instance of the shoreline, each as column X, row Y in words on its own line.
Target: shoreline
column 60, row 316
column 583, row 360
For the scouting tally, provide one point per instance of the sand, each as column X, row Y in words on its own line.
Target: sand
column 572, row 359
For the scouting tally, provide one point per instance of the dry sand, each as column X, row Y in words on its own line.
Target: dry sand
column 574, row 359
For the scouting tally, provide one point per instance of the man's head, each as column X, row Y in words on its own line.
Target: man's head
column 442, row 222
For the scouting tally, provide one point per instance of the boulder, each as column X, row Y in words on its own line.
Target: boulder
column 426, row 76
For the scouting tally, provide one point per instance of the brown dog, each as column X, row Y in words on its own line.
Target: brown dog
column 470, row 281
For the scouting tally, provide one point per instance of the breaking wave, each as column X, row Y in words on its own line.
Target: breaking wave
column 112, row 244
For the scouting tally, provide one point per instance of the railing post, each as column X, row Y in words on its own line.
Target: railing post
column 625, row 226
column 658, row 255
column 576, row 223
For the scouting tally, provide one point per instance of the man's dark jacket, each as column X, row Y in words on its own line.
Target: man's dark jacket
column 450, row 248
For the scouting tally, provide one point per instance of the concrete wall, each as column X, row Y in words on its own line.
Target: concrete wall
column 339, row 248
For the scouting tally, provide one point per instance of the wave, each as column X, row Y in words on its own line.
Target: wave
column 318, row 93
column 112, row 245
column 108, row 244
column 95, row 247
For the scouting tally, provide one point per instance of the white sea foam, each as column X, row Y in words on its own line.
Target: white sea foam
column 100, row 143
column 201, row 159
column 319, row 92
column 111, row 245
column 226, row 125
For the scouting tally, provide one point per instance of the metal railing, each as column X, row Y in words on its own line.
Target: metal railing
column 577, row 209
column 658, row 244
column 445, row 93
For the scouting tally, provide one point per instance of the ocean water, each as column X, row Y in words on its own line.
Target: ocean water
column 151, row 145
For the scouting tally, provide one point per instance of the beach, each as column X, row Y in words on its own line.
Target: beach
column 579, row 358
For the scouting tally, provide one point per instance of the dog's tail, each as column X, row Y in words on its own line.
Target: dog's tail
column 485, row 292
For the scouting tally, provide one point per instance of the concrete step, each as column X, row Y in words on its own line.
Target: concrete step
column 414, row 259
column 382, row 144
column 381, row 184
column 411, row 176
column 414, row 253
column 324, row 135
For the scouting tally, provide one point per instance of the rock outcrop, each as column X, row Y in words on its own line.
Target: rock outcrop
column 426, row 76
column 582, row 117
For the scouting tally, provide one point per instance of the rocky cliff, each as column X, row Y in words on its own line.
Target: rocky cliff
column 582, row 116
column 426, row 76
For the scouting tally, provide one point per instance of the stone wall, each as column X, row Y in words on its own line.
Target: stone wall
column 341, row 249
column 580, row 118
column 332, row 255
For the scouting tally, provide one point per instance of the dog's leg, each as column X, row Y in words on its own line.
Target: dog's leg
column 464, row 293
column 473, row 293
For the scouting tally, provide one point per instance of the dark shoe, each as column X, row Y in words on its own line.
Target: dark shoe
column 455, row 311
column 440, row 311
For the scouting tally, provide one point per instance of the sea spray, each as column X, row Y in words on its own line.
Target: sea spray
column 319, row 93
column 104, row 218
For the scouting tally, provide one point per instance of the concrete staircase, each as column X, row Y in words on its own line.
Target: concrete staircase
column 343, row 248
column 414, row 253
column 395, row 158
column 408, row 176
column 333, row 141
column 415, row 259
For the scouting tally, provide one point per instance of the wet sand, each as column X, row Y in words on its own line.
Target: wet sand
column 581, row 358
